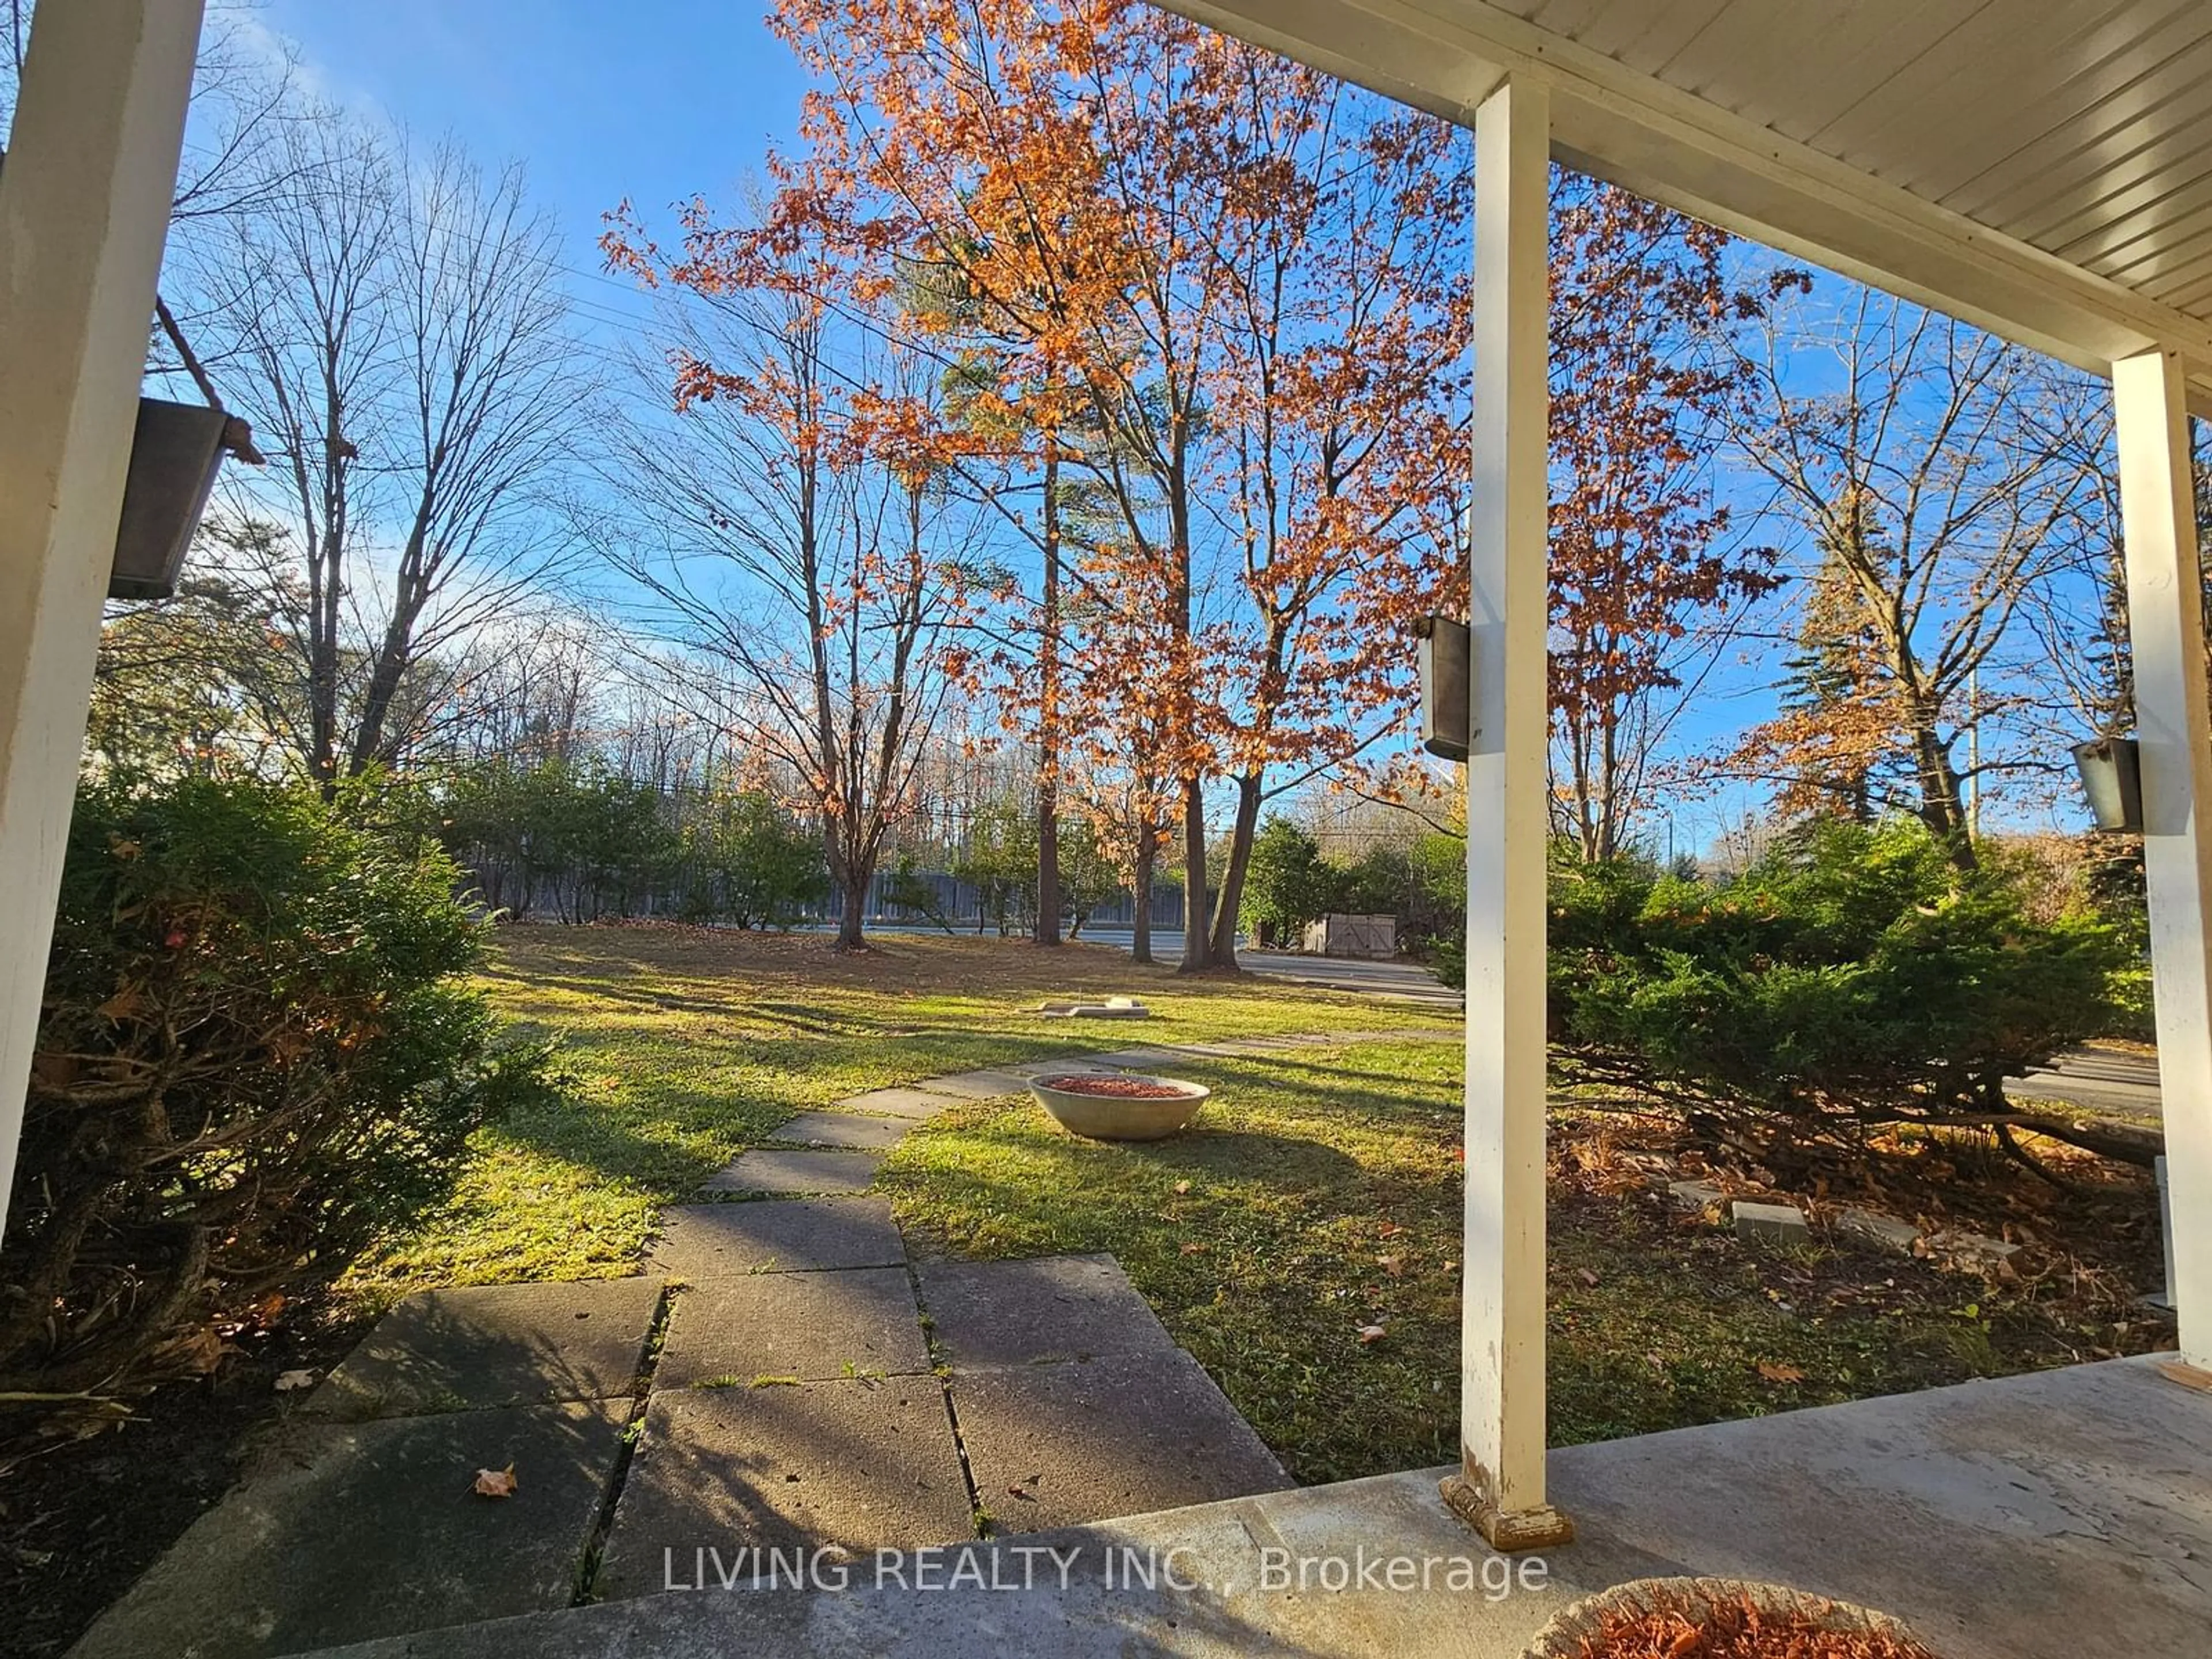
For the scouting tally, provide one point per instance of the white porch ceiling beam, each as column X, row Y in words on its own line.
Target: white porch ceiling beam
column 1446, row 56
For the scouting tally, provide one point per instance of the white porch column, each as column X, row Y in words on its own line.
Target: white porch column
column 1500, row 1486
column 84, row 208
column 2166, row 625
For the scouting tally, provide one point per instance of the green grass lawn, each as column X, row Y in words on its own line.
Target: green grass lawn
column 1320, row 1197
column 1317, row 1198
column 680, row 1048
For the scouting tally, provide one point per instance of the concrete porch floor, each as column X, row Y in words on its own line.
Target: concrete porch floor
column 2047, row 1516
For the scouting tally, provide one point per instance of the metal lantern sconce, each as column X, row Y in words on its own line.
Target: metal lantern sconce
column 1447, row 667
column 175, row 454
column 2112, row 778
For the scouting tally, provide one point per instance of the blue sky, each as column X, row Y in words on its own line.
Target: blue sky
column 656, row 101
column 667, row 100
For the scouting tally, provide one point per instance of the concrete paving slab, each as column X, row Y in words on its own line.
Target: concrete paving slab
column 773, row 1170
column 496, row 1344
column 916, row 1103
column 978, row 1085
column 2061, row 1513
column 846, row 1129
column 1772, row 1224
column 1221, row 1616
column 1696, row 1194
column 701, row 1242
column 813, row 1326
column 1976, row 1249
column 861, row 1465
column 1056, row 1445
column 1889, row 1232
column 2045, row 1517
column 345, row 1532
column 1035, row 1311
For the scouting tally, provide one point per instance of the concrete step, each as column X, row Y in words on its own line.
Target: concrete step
column 357, row 1516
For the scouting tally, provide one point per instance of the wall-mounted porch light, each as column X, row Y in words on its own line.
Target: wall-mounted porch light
column 1447, row 661
column 175, row 454
column 2111, row 778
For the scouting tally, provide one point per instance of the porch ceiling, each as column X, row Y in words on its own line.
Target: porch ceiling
column 2042, row 168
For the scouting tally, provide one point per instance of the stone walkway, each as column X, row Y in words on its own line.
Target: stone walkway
column 782, row 1377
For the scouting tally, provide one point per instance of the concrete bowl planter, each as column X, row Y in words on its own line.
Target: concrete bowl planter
column 1118, row 1105
column 1720, row 1604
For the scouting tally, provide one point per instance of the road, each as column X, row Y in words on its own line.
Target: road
column 2117, row 1080
column 1384, row 979
column 1387, row 979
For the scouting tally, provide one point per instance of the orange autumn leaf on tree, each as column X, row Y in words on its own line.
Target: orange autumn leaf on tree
column 1218, row 299
column 1643, row 376
column 795, row 528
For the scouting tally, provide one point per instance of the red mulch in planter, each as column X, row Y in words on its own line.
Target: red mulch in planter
column 1734, row 1630
column 1117, row 1088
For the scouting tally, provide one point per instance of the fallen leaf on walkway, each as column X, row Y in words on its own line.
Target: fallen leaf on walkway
column 287, row 1381
column 495, row 1482
column 2188, row 1375
column 1022, row 1492
column 1391, row 1230
column 1774, row 1373
column 1370, row 1334
column 1392, row 1265
column 1182, row 1187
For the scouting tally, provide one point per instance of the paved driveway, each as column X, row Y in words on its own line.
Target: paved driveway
column 1385, row 979
column 2104, row 1079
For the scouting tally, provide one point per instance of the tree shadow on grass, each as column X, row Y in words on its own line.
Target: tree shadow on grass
column 1009, row 1187
column 1377, row 1089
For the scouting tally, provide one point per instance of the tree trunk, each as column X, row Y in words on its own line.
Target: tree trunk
column 1941, row 798
column 1047, row 912
column 1197, row 915
column 850, row 935
column 1140, row 934
column 1232, row 875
